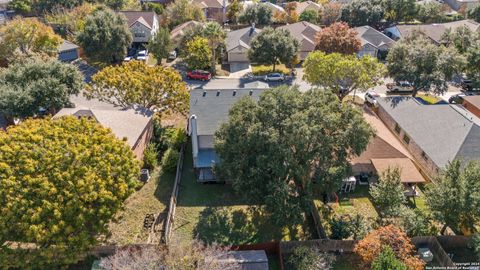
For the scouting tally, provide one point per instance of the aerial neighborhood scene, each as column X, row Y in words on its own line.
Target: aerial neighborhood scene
column 239, row 134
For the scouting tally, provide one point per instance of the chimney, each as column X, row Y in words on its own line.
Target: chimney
column 193, row 134
column 252, row 29
column 234, row 93
column 218, row 93
column 251, row 92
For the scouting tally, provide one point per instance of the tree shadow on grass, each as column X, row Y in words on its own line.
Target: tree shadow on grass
column 235, row 226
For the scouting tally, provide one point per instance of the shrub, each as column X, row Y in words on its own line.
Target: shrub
column 306, row 258
column 150, row 157
column 264, row 70
column 169, row 160
column 178, row 136
column 388, row 260
column 340, row 228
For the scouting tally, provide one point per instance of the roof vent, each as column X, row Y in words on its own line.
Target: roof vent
column 204, row 93
column 234, row 93
column 218, row 93
column 251, row 92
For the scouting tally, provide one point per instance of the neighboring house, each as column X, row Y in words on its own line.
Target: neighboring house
column 67, row 51
column 385, row 150
column 135, row 126
column 142, row 24
column 374, row 43
column 214, row 9
column 434, row 134
column 308, row 5
column 208, row 110
column 462, row 4
column 179, row 31
column 238, row 43
column 433, row 31
column 274, row 8
column 472, row 103
column 305, row 33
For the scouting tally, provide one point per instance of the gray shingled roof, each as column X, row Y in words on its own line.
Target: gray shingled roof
column 444, row 132
column 241, row 37
column 367, row 34
column 212, row 110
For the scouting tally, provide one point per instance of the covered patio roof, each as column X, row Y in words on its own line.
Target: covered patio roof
column 409, row 172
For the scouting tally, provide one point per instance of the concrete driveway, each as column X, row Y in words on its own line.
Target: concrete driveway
column 239, row 69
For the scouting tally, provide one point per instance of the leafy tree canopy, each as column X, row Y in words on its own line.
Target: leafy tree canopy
column 387, row 261
column 400, row 10
column 160, row 44
column 198, row 53
column 259, row 14
column 181, row 11
column 27, row 87
column 62, row 182
column 309, row 258
column 430, row 12
column 273, row 46
column 363, row 12
column 370, row 247
column 331, row 13
column 275, row 150
column 106, row 36
column 342, row 74
column 338, row 38
column 455, row 199
column 233, row 11
column 387, row 193
column 135, row 83
column 310, row 15
column 427, row 66
column 22, row 37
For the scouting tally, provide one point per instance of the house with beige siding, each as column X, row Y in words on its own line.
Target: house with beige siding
column 305, row 33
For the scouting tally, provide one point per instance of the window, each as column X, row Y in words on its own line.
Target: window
column 397, row 128
column 424, row 156
column 406, row 139
column 140, row 35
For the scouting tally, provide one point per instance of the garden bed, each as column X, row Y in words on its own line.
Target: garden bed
column 260, row 70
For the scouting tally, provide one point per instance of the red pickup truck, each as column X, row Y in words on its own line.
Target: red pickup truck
column 199, row 75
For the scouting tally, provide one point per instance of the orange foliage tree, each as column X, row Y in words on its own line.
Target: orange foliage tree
column 372, row 245
column 338, row 37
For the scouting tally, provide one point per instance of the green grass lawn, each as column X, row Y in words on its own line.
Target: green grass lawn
column 214, row 213
column 357, row 202
column 152, row 198
column 430, row 99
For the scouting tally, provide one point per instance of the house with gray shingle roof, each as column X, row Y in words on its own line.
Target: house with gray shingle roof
column 142, row 24
column 238, row 43
column 434, row 134
column 305, row 33
column 208, row 110
column 374, row 43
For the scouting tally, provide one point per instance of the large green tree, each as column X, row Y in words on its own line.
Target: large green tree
column 310, row 15
column 454, row 199
column 429, row 67
column 215, row 35
column 275, row 150
column 36, row 84
column 363, row 12
column 135, row 83
column 400, row 10
column 233, row 11
column 473, row 62
column 259, row 14
column 342, row 74
column 474, row 13
column 198, row 53
column 430, row 12
column 181, row 11
column 160, row 44
column 387, row 260
column 273, row 46
column 387, row 193
column 62, row 182
column 106, row 36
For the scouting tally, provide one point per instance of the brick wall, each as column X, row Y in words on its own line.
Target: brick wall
column 472, row 108
column 427, row 166
column 143, row 141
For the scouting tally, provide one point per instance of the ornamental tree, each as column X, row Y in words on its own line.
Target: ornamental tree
column 387, row 260
column 135, row 83
column 259, row 14
column 427, row 66
column 198, row 53
column 387, row 193
column 455, row 198
column 62, row 182
column 338, row 38
column 400, row 10
column 215, row 35
column 160, row 44
column 342, row 74
column 370, row 247
column 26, row 37
column 276, row 150
column 310, row 15
column 36, row 84
column 181, row 11
column 331, row 13
column 106, row 36
column 273, row 46
column 233, row 11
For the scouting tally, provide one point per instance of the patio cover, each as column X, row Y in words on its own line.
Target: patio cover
column 409, row 172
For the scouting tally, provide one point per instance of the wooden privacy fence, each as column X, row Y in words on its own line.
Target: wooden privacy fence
column 173, row 199
column 431, row 243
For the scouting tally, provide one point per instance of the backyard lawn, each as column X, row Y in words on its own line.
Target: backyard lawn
column 214, row 213
column 152, row 198
column 357, row 202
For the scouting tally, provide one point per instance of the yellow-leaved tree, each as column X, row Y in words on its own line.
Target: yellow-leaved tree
column 24, row 37
column 61, row 182
column 137, row 84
